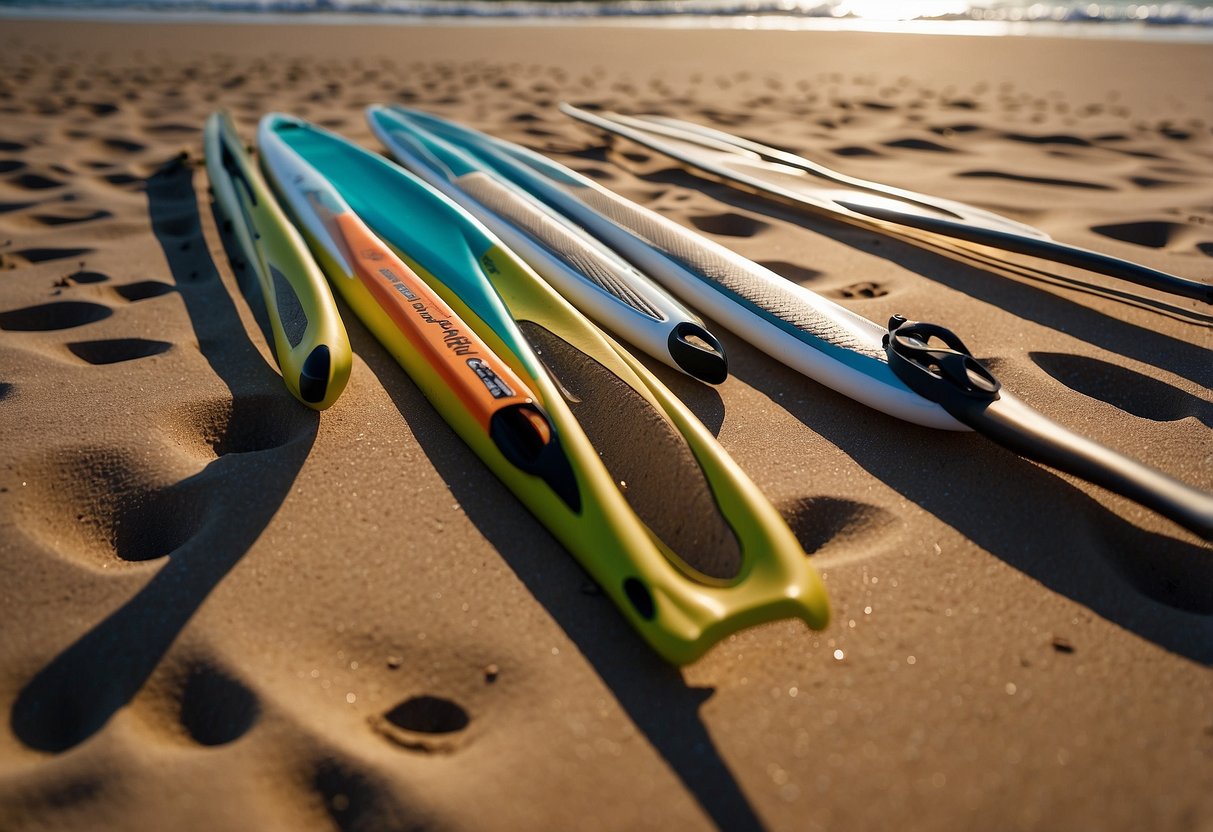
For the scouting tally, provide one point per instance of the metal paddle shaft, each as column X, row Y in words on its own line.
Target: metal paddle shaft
column 1045, row 249
column 949, row 375
column 792, row 179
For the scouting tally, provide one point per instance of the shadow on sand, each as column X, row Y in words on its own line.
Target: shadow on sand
column 267, row 438
column 652, row 693
column 1158, row 586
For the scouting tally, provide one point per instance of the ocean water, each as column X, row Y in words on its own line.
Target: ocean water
column 1181, row 19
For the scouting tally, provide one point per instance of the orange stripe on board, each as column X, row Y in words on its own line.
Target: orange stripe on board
column 481, row 380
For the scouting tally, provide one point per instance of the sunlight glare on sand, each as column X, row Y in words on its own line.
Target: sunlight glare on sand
column 899, row 9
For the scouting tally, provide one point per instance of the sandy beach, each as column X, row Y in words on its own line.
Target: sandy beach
column 223, row 611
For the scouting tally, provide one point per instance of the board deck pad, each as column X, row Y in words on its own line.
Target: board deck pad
column 688, row 549
column 579, row 254
column 649, row 460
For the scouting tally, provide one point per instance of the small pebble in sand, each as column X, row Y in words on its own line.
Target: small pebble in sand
column 394, row 662
column 490, row 673
column 1062, row 645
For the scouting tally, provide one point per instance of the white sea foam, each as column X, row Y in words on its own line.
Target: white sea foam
column 1185, row 19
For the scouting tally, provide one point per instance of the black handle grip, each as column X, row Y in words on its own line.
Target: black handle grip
column 950, row 375
column 1015, row 425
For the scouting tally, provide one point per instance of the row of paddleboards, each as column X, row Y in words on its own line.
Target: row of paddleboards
column 492, row 274
column 598, row 449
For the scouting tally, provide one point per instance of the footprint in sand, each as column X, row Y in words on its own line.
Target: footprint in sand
column 156, row 523
column 1150, row 182
column 729, row 225
column 121, row 513
column 35, row 182
column 596, row 154
column 102, row 108
column 1174, row 133
column 100, row 508
column 6, row 207
column 424, row 723
column 601, row 174
column 43, row 255
column 123, row 145
column 69, row 314
column 172, row 129
column 822, row 524
column 855, row 150
column 1035, row 180
column 241, row 425
column 636, row 157
column 865, row 289
column 81, row 277
column 125, row 512
column 194, row 701
column 1150, row 233
column 48, row 317
column 1051, row 138
column 919, row 144
column 1142, row 154
column 954, row 129
column 117, row 350
column 214, row 707
column 722, row 118
column 71, row 218
column 1125, row 389
column 121, row 179
column 143, row 290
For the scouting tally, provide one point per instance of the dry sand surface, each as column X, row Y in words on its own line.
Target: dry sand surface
column 220, row 610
